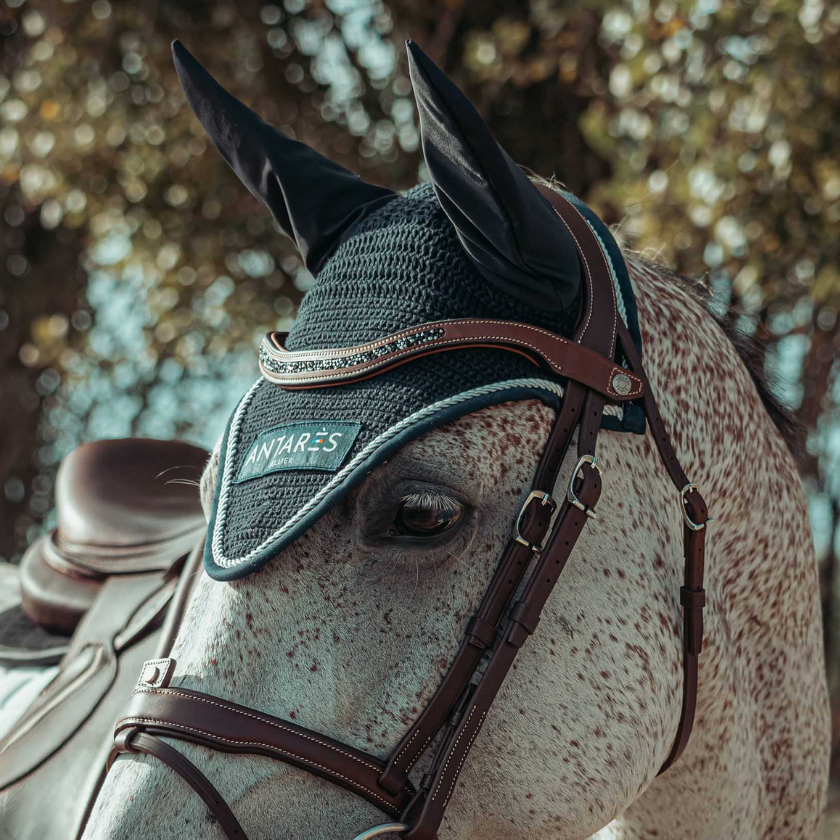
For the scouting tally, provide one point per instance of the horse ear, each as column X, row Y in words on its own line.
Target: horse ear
column 508, row 229
column 314, row 200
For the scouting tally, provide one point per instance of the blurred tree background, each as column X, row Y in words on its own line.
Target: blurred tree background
column 137, row 275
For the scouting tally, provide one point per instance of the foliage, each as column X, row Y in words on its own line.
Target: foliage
column 138, row 274
column 179, row 269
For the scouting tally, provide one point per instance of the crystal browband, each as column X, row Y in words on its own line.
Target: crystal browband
column 307, row 365
column 321, row 368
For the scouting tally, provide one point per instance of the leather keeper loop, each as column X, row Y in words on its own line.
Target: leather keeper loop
column 455, row 718
column 692, row 598
column 695, row 507
column 693, row 601
column 480, row 633
column 524, row 623
column 392, row 780
column 522, row 615
column 517, row 636
column 122, row 741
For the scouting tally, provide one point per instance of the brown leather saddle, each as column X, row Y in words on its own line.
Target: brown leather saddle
column 98, row 596
column 542, row 540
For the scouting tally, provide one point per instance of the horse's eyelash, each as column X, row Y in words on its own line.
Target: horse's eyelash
column 435, row 501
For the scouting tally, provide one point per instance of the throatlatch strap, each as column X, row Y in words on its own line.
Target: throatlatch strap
column 692, row 593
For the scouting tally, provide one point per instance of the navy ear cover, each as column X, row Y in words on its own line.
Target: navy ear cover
column 511, row 233
column 314, row 200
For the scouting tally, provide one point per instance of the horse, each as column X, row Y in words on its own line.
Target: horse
column 352, row 619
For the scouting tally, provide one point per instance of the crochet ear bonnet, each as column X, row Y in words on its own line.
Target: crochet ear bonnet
column 479, row 241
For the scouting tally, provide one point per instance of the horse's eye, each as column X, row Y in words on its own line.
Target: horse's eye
column 426, row 515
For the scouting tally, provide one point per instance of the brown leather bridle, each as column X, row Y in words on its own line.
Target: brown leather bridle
column 457, row 711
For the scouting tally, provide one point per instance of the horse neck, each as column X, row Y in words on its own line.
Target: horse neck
column 729, row 446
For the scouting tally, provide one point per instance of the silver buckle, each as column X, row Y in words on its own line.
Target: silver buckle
column 545, row 499
column 688, row 521
column 571, row 496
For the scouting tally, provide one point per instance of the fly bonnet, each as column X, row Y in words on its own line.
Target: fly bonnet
column 479, row 242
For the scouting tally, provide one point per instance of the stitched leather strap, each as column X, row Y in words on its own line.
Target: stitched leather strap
column 134, row 741
column 598, row 320
column 221, row 725
column 426, row 810
column 320, row 368
column 580, row 408
column 505, row 582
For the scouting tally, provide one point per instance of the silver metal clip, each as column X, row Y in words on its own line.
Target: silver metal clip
column 571, row 496
column 694, row 526
column 545, row 499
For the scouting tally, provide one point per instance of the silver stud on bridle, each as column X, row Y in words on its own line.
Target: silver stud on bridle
column 622, row 384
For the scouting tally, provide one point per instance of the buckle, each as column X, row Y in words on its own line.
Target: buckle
column 694, row 526
column 571, row 496
column 545, row 499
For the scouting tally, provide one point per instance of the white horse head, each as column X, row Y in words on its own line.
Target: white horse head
column 350, row 628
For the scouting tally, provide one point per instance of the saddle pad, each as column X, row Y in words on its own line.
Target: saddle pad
column 287, row 457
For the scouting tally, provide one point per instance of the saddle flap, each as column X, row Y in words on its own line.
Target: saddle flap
column 85, row 677
column 23, row 643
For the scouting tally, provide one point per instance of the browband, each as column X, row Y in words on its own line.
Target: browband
column 321, row 368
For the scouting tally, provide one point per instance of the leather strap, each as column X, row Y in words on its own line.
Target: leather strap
column 599, row 335
column 692, row 594
column 221, row 725
column 309, row 369
column 505, row 582
column 134, row 741
column 187, row 577
column 598, row 319
column 426, row 810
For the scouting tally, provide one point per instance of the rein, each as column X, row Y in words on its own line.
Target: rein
column 454, row 716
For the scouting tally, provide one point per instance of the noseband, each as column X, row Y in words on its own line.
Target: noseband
column 451, row 721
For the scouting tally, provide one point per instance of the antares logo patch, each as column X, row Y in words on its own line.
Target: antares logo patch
column 318, row 445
